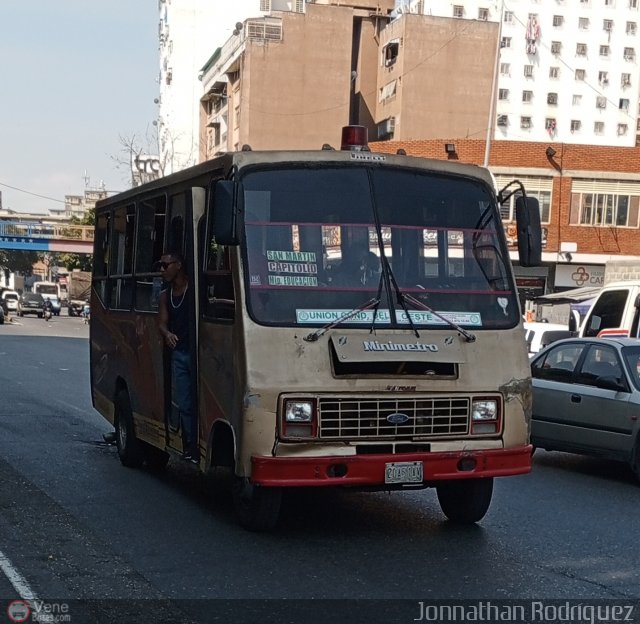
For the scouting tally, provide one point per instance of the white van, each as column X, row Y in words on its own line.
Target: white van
column 539, row 335
column 615, row 312
column 10, row 299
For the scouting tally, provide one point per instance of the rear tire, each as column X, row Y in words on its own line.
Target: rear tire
column 129, row 447
column 465, row 501
column 257, row 507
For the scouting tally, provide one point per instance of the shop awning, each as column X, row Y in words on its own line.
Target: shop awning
column 575, row 295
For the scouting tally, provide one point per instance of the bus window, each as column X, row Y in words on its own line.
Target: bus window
column 177, row 220
column 121, row 270
column 149, row 248
column 101, row 257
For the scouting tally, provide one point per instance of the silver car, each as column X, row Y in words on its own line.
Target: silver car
column 586, row 398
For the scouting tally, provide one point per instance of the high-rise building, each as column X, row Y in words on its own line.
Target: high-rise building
column 567, row 70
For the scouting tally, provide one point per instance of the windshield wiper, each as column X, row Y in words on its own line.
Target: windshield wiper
column 469, row 337
column 367, row 305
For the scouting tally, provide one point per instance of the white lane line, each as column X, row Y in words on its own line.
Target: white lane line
column 16, row 579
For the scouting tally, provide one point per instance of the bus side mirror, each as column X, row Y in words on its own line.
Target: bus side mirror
column 529, row 231
column 225, row 212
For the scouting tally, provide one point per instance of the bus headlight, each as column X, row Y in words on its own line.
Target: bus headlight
column 298, row 411
column 299, row 419
column 485, row 416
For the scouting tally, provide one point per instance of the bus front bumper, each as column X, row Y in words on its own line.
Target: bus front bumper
column 371, row 470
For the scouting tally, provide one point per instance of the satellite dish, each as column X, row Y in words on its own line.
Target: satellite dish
column 239, row 25
column 236, row 32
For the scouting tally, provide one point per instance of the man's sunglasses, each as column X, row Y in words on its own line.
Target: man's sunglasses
column 164, row 265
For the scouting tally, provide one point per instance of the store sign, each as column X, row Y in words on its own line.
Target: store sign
column 579, row 275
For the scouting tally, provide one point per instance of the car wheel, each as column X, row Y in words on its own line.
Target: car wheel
column 465, row 501
column 257, row 507
column 129, row 447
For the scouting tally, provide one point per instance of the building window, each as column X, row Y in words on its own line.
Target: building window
column 534, row 188
column 603, row 78
column 575, row 125
column 581, row 49
column 505, row 69
column 603, row 209
column 505, row 42
column 390, row 53
column 601, row 102
column 629, row 54
column 604, row 50
column 503, row 94
column 622, row 129
column 550, row 123
column 528, row 71
column 507, row 18
column 552, row 98
column 608, row 2
column 598, row 127
column 631, row 28
column 633, row 4
column 577, row 99
column 556, row 47
column 583, row 23
column 483, row 14
column 554, row 72
column 580, row 74
column 527, row 96
column 558, row 20
column 607, row 25
column 625, row 80
column 525, row 122
column 503, row 120
column 623, row 104
column 265, row 6
column 458, row 10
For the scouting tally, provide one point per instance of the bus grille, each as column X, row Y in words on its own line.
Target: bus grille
column 439, row 417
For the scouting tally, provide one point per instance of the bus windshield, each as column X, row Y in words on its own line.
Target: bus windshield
column 315, row 241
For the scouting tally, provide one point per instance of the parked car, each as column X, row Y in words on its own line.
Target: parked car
column 30, row 303
column 10, row 300
column 539, row 335
column 586, row 398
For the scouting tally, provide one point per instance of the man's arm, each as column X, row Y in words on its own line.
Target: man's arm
column 171, row 340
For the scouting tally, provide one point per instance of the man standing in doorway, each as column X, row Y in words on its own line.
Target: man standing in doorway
column 175, row 322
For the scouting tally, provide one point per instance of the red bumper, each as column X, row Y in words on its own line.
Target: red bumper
column 363, row 470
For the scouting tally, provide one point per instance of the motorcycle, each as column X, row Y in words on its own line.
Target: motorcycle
column 46, row 314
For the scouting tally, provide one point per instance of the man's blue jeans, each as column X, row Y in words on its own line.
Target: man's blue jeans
column 183, row 396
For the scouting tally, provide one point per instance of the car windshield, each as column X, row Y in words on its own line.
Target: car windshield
column 313, row 252
column 631, row 356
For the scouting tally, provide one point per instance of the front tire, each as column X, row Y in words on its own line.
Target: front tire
column 257, row 507
column 129, row 447
column 465, row 501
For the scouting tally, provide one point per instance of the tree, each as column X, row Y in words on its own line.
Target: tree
column 83, row 262
column 18, row 260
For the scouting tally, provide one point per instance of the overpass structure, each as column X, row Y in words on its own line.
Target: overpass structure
column 30, row 236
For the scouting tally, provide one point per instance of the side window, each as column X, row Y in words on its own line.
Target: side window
column 149, row 248
column 607, row 312
column 121, row 258
column 558, row 364
column 218, row 301
column 177, row 223
column 600, row 361
column 101, row 257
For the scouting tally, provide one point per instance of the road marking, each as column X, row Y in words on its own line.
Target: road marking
column 16, row 579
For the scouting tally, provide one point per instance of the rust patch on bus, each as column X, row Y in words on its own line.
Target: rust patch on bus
column 518, row 390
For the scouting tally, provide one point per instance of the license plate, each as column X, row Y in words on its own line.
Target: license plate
column 403, row 472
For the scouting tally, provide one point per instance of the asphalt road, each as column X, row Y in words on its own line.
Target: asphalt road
column 76, row 525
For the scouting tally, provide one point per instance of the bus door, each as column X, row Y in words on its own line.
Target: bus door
column 179, row 239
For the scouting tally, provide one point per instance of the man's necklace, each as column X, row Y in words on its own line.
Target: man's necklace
column 173, row 305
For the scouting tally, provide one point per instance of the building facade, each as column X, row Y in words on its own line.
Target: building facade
column 567, row 70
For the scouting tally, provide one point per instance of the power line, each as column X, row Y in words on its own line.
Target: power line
column 15, row 188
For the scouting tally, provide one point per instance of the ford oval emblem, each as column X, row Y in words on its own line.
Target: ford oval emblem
column 397, row 418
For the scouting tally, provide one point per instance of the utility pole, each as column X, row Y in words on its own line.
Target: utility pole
column 494, row 89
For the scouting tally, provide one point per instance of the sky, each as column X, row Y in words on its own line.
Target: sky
column 75, row 76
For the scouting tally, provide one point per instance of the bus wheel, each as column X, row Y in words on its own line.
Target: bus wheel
column 156, row 459
column 129, row 448
column 257, row 507
column 465, row 501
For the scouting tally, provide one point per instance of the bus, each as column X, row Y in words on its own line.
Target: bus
column 47, row 289
column 356, row 325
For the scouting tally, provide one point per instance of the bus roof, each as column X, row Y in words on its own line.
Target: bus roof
column 246, row 158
